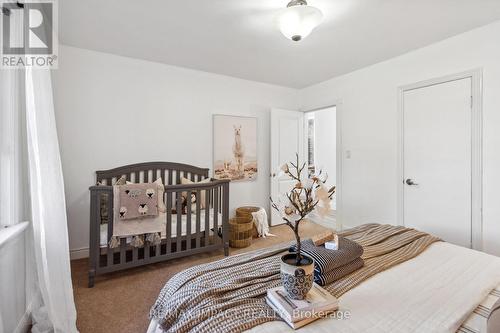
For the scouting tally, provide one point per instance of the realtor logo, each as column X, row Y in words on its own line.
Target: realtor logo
column 28, row 34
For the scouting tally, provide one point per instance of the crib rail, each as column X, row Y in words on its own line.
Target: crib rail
column 170, row 172
column 203, row 228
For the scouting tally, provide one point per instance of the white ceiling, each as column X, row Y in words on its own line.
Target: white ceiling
column 239, row 37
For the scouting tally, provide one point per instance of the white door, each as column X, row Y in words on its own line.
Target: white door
column 287, row 139
column 437, row 160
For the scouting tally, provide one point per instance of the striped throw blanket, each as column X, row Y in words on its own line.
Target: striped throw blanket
column 228, row 295
column 339, row 272
column 325, row 260
column 331, row 265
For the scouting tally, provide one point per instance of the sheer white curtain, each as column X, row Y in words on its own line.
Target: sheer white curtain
column 48, row 206
column 32, row 188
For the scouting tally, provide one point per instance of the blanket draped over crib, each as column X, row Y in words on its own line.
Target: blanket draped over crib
column 228, row 295
column 136, row 212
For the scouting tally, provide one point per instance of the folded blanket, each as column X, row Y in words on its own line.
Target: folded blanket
column 133, row 227
column 327, row 260
column 339, row 272
column 137, row 200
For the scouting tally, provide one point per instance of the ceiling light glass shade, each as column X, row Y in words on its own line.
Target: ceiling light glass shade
column 297, row 22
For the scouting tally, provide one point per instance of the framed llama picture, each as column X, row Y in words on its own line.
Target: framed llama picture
column 235, row 147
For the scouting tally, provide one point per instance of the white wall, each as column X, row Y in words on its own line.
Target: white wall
column 95, row 92
column 112, row 111
column 369, row 129
column 325, row 142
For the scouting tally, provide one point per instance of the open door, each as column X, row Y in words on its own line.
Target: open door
column 287, row 139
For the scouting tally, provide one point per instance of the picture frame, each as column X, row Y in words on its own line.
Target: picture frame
column 235, row 148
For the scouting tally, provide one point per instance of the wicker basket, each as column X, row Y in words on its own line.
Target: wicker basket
column 240, row 232
column 246, row 211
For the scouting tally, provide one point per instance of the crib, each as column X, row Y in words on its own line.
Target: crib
column 198, row 231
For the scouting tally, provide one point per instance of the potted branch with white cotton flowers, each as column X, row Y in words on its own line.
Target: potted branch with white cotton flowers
column 307, row 195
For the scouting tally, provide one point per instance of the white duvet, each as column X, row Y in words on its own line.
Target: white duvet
column 434, row 292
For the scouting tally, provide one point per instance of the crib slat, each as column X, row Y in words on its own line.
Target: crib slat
column 95, row 235
column 188, row 220
column 170, row 177
column 216, row 214
column 123, row 247
column 207, row 216
column 109, row 257
column 158, row 247
column 179, row 220
column 109, row 254
column 135, row 251
column 198, row 217
column 169, row 221
column 219, row 195
column 146, row 250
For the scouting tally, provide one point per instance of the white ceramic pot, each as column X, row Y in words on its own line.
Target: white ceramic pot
column 297, row 279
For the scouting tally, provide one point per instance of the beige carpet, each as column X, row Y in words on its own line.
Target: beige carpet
column 120, row 301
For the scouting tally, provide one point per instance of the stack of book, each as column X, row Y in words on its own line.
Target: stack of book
column 298, row 313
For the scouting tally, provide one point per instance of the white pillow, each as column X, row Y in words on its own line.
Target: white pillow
column 202, row 194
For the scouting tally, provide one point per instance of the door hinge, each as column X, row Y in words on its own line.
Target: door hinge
column 471, row 101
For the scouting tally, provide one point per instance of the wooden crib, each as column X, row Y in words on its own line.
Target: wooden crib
column 200, row 231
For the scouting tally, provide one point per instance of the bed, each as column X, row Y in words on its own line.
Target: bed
column 203, row 228
column 445, row 288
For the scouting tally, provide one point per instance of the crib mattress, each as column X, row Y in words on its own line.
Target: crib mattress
column 104, row 227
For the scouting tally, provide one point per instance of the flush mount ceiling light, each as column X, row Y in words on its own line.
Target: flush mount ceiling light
column 298, row 20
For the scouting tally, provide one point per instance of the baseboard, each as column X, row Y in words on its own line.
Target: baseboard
column 80, row 253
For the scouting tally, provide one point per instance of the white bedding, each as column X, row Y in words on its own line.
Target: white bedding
column 434, row 292
column 104, row 227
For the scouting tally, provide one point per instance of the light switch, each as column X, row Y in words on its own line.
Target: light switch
column 348, row 154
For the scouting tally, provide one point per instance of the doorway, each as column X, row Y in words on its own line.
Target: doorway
column 321, row 151
column 316, row 136
column 440, row 170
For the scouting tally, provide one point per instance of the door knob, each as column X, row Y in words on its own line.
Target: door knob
column 410, row 182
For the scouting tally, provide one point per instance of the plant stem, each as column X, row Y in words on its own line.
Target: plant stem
column 298, row 257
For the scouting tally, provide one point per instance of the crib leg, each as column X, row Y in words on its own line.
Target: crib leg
column 226, row 249
column 91, row 278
